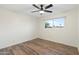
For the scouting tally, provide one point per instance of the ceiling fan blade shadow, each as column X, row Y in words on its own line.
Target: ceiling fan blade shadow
column 35, row 11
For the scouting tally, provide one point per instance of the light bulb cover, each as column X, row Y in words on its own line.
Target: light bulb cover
column 41, row 12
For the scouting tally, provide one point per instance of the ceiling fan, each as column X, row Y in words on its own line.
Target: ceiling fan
column 43, row 9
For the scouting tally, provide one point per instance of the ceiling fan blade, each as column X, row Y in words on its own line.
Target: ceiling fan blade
column 36, row 11
column 48, row 6
column 48, row 11
column 36, row 6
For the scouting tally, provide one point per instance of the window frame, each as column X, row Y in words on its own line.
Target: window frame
column 53, row 22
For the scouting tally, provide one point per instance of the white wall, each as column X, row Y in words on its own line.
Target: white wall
column 16, row 28
column 67, row 35
column 78, row 28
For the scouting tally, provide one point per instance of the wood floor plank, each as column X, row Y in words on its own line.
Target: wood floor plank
column 39, row 47
column 57, row 46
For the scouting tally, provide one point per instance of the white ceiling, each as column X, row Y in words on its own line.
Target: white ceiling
column 27, row 8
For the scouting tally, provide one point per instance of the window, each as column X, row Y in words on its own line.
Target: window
column 49, row 24
column 57, row 22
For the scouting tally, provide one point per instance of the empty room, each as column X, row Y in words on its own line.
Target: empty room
column 39, row 29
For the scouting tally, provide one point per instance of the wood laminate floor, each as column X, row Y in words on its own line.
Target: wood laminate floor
column 39, row 47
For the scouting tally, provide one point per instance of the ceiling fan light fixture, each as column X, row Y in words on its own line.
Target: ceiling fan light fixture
column 41, row 12
column 43, row 9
